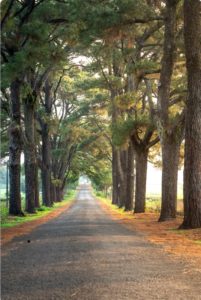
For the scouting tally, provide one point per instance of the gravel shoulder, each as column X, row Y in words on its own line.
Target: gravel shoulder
column 84, row 254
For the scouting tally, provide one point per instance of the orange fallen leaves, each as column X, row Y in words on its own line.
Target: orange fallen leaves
column 183, row 243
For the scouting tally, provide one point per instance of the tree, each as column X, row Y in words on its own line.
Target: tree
column 23, row 24
column 170, row 131
column 30, row 151
column 107, row 102
column 16, row 53
column 15, row 145
column 192, row 162
column 44, row 119
column 12, row 43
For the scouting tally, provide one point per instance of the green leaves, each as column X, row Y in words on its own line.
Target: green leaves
column 121, row 131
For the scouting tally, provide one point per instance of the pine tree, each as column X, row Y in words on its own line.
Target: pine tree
column 192, row 164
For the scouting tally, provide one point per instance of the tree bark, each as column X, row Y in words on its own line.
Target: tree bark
column 122, row 178
column 114, row 177
column 167, row 62
column 53, row 193
column 141, row 178
column 37, row 199
column 58, row 194
column 117, row 171
column 15, row 147
column 192, row 164
column 46, row 149
column 30, row 152
column 167, row 131
column 46, row 169
column 170, row 163
column 141, row 148
column 130, row 178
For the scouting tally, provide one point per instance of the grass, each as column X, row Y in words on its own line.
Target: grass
column 10, row 221
column 113, row 206
column 121, row 211
column 153, row 203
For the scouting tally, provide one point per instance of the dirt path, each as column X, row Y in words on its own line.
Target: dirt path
column 84, row 254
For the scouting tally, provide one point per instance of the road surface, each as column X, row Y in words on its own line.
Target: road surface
column 84, row 255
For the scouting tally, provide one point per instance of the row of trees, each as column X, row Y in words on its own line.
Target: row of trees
column 42, row 108
column 142, row 63
column 99, row 88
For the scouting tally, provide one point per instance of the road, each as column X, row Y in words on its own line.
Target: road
column 85, row 255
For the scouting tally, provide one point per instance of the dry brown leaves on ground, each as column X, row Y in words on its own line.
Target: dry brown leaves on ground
column 185, row 243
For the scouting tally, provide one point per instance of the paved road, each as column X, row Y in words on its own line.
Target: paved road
column 83, row 254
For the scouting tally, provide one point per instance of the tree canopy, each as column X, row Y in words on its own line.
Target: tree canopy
column 98, row 88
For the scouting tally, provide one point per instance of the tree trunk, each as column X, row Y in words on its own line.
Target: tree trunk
column 167, row 63
column 37, row 200
column 53, row 193
column 114, row 177
column 15, row 147
column 130, row 179
column 115, row 153
column 58, row 194
column 141, row 178
column 62, row 191
column 192, row 165
column 46, row 148
column 30, row 152
column 170, row 162
column 170, row 146
column 122, row 185
column 46, row 169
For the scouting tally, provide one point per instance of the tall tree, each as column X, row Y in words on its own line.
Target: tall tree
column 130, row 178
column 192, row 164
column 169, row 130
column 44, row 121
column 30, row 151
column 15, row 146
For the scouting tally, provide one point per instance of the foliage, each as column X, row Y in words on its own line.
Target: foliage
column 102, row 61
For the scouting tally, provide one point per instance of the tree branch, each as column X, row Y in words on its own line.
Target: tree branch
column 7, row 13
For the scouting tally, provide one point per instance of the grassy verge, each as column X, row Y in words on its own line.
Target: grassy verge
column 121, row 211
column 11, row 221
column 153, row 203
column 112, row 206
